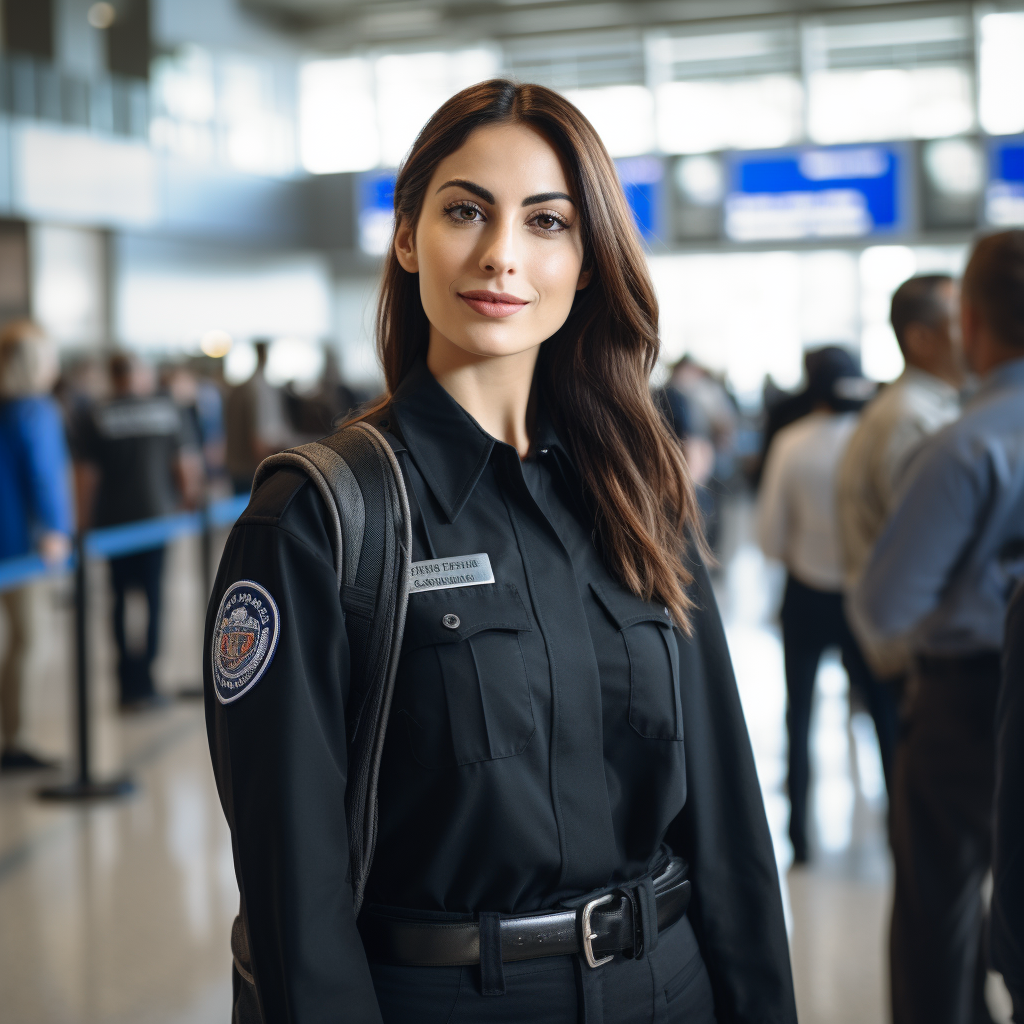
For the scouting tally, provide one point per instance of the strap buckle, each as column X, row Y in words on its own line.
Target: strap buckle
column 587, row 936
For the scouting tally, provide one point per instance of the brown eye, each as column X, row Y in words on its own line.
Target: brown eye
column 467, row 212
column 546, row 221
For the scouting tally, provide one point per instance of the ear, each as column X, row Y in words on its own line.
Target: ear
column 584, row 279
column 405, row 247
column 915, row 340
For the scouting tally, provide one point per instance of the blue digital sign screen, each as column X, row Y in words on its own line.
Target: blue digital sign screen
column 376, row 214
column 828, row 192
column 1004, row 196
column 641, row 178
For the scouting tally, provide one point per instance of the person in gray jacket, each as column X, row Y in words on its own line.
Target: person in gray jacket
column 942, row 574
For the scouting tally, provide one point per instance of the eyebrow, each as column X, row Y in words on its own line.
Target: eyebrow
column 545, row 197
column 488, row 197
column 469, row 186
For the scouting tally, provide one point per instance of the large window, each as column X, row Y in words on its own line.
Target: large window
column 229, row 108
column 357, row 113
column 1001, row 73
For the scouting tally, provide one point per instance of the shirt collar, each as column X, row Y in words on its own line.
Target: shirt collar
column 449, row 447
column 917, row 377
column 1009, row 374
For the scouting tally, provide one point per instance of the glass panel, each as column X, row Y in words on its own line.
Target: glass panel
column 744, row 113
column 410, row 87
column 891, row 103
column 622, row 114
column 1001, row 74
column 337, row 116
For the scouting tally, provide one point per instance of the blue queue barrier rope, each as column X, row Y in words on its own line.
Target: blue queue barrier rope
column 111, row 542
column 126, row 539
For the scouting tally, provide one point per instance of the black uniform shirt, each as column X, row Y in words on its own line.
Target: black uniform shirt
column 548, row 731
column 134, row 440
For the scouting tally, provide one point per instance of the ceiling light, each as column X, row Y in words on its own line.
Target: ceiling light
column 216, row 343
column 102, row 15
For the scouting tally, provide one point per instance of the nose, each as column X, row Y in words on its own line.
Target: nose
column 498, row 255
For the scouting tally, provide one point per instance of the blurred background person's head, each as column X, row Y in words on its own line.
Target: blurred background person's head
column 28, row 360
column 835, row 381
column 129, row 375
column 925, row 320
column 992, row 304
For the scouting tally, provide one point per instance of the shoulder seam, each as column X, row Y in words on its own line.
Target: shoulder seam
column 275, row 524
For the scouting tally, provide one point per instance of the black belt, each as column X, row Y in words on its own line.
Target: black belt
column 608, row 923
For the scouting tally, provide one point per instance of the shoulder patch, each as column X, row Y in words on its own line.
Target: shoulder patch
column 244, row 639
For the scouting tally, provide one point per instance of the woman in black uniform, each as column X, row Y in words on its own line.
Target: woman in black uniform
column 565, row 743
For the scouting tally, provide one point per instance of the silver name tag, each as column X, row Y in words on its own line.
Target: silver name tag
column 445, row 573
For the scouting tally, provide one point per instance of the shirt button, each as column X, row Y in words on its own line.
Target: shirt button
column 667, row 612
column 543, row 451
column 451, row 621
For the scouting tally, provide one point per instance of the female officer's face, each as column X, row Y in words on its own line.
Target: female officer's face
column 497, row 247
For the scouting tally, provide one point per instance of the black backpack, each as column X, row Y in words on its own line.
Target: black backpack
column 361, row 483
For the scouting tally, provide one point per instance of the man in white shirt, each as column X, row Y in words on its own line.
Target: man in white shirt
column 797, row 526
column 924, row 315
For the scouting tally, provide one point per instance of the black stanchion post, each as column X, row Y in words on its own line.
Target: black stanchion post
column 84, row 787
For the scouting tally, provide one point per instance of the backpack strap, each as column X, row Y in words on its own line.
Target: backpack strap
column 361, row 483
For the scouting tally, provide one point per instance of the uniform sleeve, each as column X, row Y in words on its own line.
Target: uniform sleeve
column 736, row 906
column 280, row 758
column 934, row 521
column 1007, row 922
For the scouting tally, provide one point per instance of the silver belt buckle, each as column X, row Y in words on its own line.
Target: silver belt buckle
column 588, row 936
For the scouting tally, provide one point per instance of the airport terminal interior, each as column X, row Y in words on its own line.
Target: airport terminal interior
column 203, row 190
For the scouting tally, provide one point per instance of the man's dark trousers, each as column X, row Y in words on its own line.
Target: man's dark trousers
column 812, row 621
column 941, row 830
column 143, row 571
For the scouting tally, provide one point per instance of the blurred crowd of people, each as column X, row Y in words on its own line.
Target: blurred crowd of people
column 116, row 441
column 900, row 521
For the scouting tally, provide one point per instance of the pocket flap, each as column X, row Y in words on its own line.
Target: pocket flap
column 448, row 616
column 627, row 609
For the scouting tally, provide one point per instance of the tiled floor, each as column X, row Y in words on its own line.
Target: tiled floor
column 120, row 912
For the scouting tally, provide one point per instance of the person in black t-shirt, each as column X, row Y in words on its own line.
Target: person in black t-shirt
column 132, row 461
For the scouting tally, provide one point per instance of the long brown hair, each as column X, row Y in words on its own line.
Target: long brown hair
column 593, row 373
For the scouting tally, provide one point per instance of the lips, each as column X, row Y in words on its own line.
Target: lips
column 493, row 304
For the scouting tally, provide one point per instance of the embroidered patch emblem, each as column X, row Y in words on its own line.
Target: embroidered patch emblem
column 244, row 639
column 445, row 573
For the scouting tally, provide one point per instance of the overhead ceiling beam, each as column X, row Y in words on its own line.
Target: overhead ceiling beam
column 342, row 25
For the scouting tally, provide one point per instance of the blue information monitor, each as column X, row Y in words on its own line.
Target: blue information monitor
column 1004, row 196
column 376, row 214
column 826, row 192
column 641, row 178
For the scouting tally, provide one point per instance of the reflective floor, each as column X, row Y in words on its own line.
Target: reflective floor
column 120, row 912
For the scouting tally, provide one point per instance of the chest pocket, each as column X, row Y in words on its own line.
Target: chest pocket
column 655, row 711
column 461, row 651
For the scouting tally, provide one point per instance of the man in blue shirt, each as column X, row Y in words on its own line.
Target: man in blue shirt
column 942, row 574
column 35, row 505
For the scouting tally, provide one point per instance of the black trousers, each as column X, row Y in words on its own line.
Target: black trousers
column 143, row 571
column 667, row 986
column 812, row 621
column 941, row 826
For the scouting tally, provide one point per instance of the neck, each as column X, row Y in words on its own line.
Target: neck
column 494, row 390
column 951, row 375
